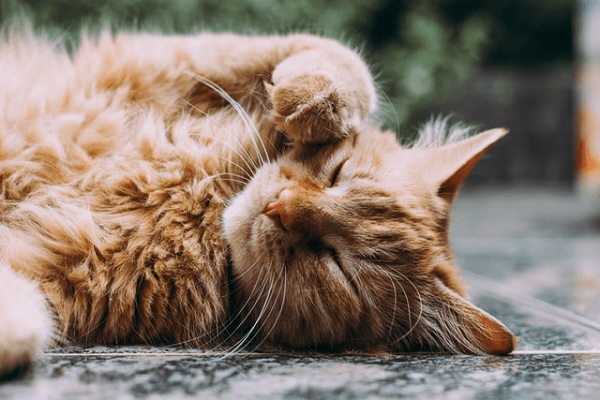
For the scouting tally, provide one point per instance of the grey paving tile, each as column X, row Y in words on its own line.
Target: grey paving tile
column 568, row 280
column 525, row 211
column 419, row 376
column 541, row 243
column 539, row 326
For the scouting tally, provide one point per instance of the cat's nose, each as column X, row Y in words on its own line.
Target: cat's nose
column 281, row 211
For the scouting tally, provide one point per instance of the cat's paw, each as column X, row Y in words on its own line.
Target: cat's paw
column 310, row 109
column 25, row 324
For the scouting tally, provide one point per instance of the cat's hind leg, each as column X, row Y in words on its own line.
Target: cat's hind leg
column 25, row 322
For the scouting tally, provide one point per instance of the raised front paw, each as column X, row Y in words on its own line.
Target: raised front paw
column 310, row 109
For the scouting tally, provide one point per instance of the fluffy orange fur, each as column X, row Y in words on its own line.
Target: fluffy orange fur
column 219, row 190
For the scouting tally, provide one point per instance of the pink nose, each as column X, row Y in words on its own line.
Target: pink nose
column 281, row 211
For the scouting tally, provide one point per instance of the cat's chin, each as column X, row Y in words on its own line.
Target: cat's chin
column 297, row 303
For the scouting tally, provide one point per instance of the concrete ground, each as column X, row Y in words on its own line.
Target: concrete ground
column 531, row 256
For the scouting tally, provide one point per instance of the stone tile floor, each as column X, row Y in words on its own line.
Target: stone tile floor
column 531, row 257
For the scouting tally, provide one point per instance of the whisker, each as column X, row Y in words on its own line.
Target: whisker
column 231, row 321
column 225, row 176
column 386, row 273
column 282, row 303
column 245, row 156
column 254, row 134
column 412, row 328
column 253, row 332
column 256, row 292
column 267, row 301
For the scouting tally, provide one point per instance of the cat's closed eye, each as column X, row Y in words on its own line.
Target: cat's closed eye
column 336, row 173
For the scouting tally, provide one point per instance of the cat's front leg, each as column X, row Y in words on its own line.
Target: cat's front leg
column 321, row 92
column 25, row 323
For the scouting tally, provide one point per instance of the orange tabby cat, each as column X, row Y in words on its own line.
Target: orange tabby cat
column 218, row 191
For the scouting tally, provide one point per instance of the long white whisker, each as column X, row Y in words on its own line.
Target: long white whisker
column 249, row 162
column 226, row 326
column 412, row 328
column 245, row 156
column 396, row 303
column 253, row 331
column 231, row 177
column 241, row 112
column 282, row 303
column 257, row 292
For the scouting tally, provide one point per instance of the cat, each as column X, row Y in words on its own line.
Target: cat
column 223, row 191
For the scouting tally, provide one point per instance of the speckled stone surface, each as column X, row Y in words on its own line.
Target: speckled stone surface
column 531, row 257
column 425, row 376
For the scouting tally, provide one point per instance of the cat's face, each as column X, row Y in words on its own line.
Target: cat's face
column 344, row 246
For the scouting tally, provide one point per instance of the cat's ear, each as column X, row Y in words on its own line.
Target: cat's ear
column 447, row 167
column 466, row 328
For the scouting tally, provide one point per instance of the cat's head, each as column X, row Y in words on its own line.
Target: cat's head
column 345, row 246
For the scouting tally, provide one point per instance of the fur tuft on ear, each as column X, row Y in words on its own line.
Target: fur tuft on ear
column 446, row 167
column 454, row 324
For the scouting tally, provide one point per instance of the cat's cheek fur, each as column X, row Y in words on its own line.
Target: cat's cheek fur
column 25, row 322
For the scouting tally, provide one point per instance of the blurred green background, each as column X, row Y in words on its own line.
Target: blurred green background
column 481, row 60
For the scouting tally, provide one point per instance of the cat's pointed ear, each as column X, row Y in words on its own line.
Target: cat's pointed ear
column 469, row 329
column 448, row 166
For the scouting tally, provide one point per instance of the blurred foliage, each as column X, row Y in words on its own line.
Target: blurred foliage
column 419, row 50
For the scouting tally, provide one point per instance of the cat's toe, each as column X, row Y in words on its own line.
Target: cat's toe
column 310, row 109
